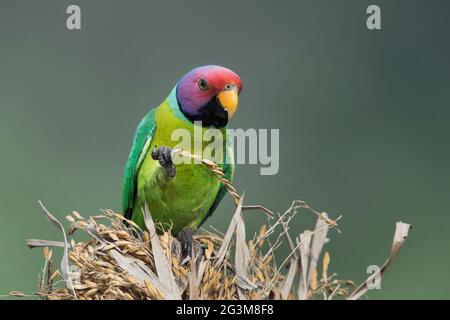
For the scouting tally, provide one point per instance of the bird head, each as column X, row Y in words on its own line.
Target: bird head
column 209, row 94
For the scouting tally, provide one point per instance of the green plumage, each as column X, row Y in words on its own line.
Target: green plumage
column 183, row 201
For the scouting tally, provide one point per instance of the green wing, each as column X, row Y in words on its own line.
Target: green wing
column 141, row 144
column 228, row 170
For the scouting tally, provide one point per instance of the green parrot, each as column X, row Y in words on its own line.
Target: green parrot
column 181, row 197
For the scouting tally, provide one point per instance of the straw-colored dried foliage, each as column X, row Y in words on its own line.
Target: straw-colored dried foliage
column 122, row 261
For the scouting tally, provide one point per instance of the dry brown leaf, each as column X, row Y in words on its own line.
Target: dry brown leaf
column 64, row 262
column 163, row 266
column 401, row 233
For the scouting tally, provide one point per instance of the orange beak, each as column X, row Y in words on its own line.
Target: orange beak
column 229, row 100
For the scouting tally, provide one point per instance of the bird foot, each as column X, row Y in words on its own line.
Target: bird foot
column 164, row 156
column 185, row 237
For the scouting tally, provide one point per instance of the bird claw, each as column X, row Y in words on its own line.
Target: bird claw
column 164, row 156
column 185, row 237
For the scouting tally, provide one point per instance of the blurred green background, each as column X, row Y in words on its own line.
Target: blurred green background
column 363, row 117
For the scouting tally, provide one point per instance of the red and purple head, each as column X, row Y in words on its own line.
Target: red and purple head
column 209, row 94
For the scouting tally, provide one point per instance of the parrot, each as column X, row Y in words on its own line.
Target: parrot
column 180, row 197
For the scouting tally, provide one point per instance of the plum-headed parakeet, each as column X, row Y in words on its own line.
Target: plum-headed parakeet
column 181, row 197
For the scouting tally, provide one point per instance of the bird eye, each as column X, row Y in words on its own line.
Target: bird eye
column 203, row 84
column 228, row 87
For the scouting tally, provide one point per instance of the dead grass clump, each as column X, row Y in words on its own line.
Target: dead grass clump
column 121, row 261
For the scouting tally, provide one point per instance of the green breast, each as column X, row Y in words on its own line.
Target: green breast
column 182, row 201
